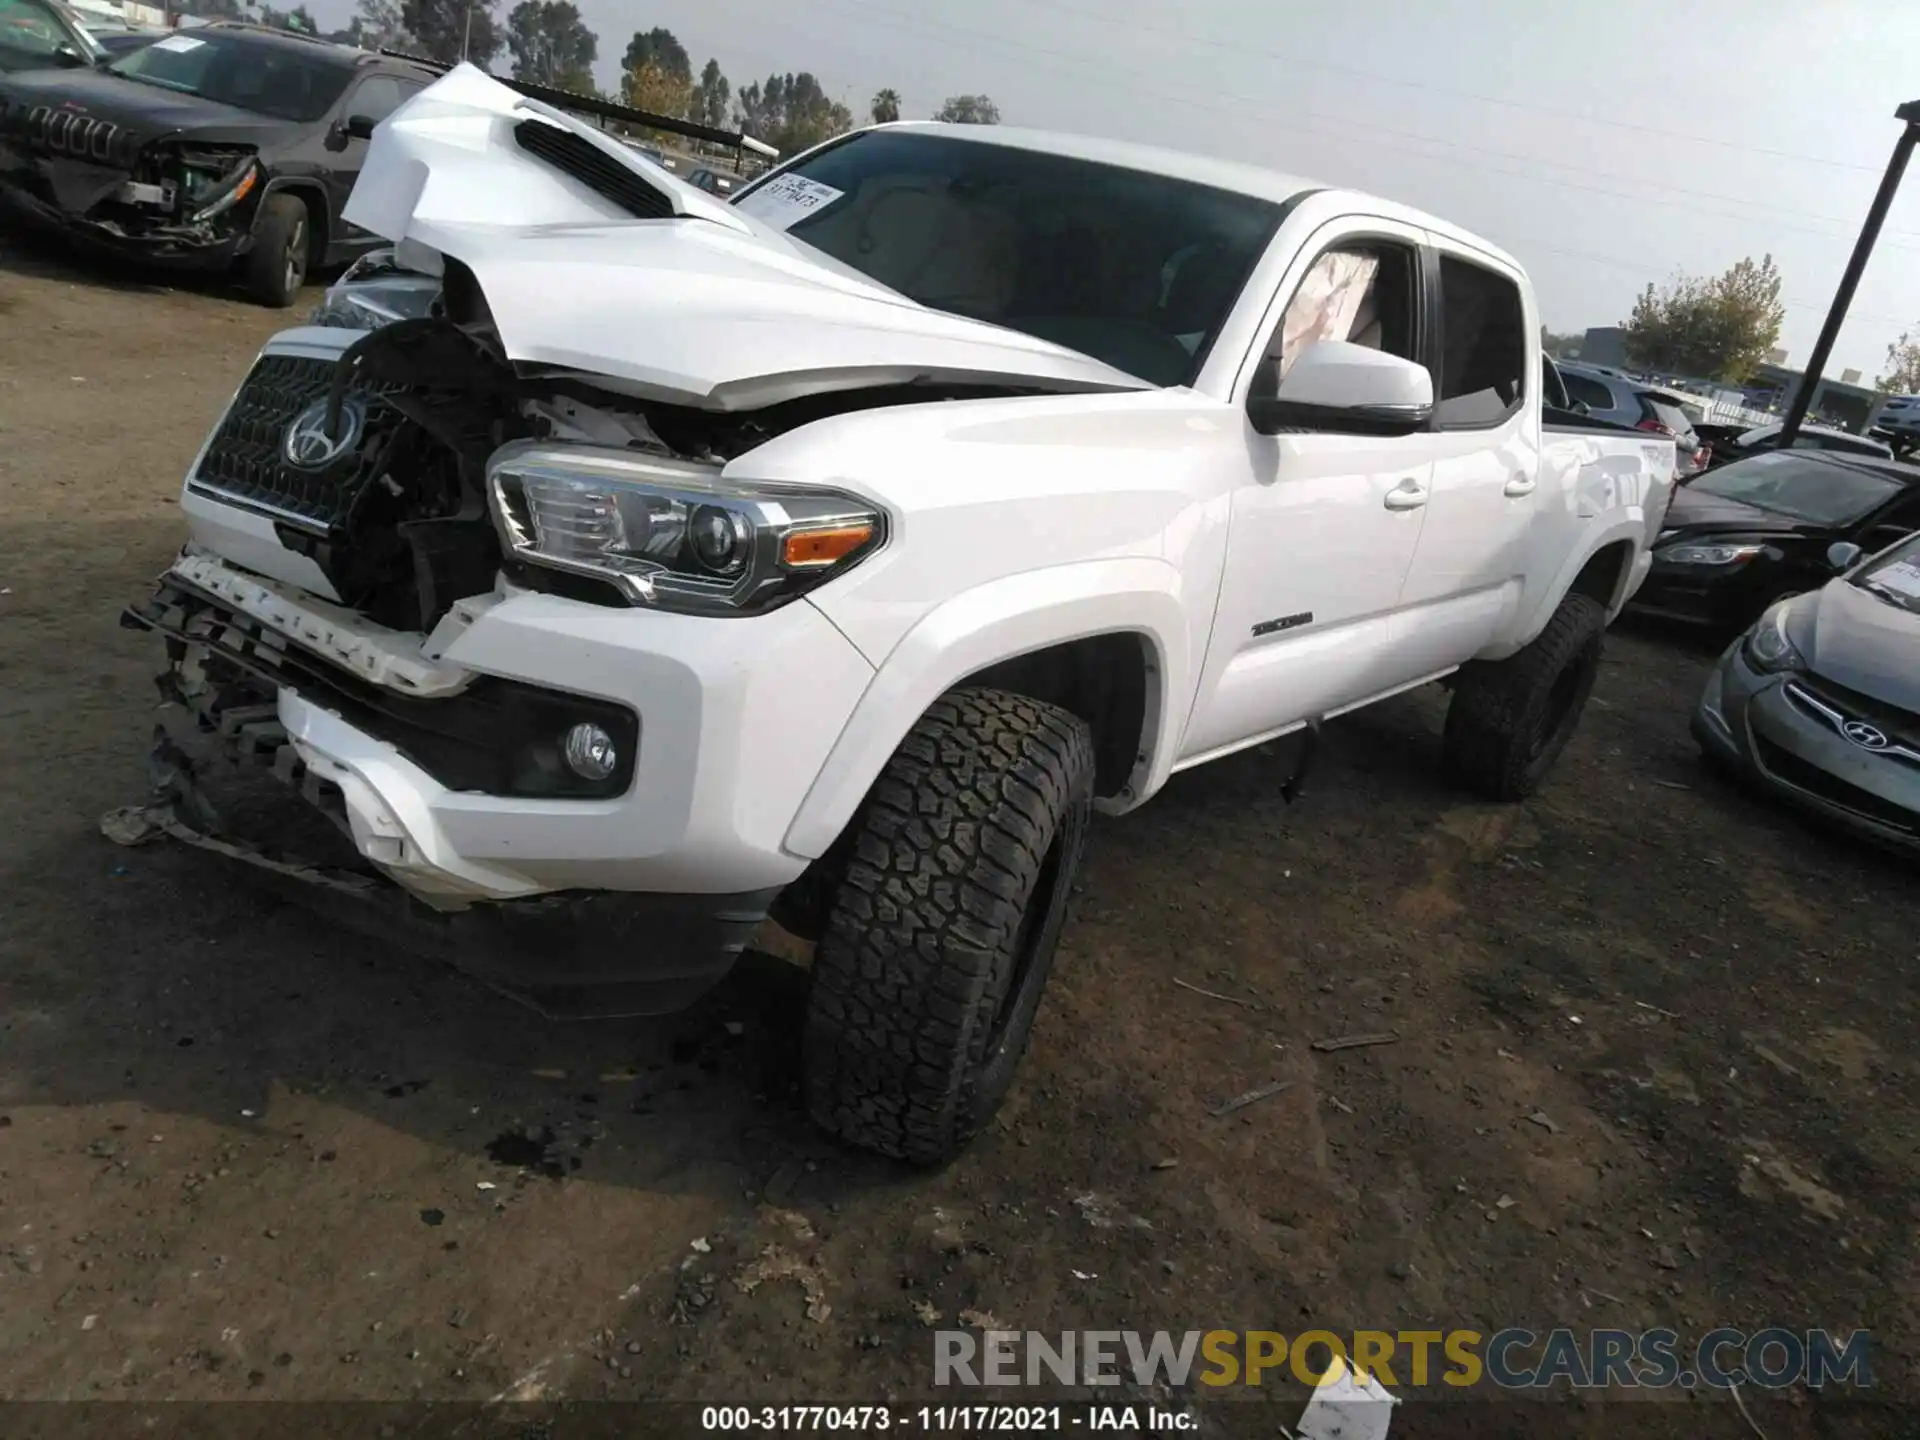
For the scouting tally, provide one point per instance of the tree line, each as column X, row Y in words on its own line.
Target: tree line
column 547, row 42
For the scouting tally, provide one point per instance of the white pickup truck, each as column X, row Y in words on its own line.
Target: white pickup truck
column 835, row 552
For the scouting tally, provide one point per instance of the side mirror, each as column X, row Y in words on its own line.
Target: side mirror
column 69, row 56
column 1346, row 389
column 1581, row 407
column 359, row 127
column 1842, row 554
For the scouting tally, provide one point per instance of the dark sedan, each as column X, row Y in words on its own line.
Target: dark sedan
column 1742, row 536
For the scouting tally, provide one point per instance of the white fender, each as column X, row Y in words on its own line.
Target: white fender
column 998, row 621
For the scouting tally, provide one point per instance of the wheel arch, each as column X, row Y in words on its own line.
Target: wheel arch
column 1607, row 568
column 1105, row 640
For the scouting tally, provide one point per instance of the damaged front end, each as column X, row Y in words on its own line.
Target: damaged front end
column 173, row 198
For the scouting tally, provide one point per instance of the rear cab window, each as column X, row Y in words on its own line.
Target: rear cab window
column 1483, row 346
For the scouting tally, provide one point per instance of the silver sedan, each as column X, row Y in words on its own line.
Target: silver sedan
column 1820, row 700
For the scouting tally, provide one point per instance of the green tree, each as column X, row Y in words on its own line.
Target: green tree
column 790, row 112
column 1718, row 328
column 296, row 19
column 711, row 96
column 886, row 107
column 449, row 30
column 652, row 87
column 1902, row 375
column 968, row 110
column 376, row 25
column 551, row 44
column 659, row 46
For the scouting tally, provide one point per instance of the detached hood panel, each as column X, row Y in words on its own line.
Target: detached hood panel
column 707, row 308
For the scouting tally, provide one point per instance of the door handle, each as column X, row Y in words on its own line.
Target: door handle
column 1521, row 484
column 1409, row 494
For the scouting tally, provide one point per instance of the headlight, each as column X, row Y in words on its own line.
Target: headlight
column 671, row 534
column 1709, row 554
column 1768, row 649
column 235, row 188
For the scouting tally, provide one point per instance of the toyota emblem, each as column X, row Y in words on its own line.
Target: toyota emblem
column 1866, row 736
column 310, row 445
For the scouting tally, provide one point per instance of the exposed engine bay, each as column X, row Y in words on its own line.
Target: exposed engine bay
column 175, row 194
column 373, row 466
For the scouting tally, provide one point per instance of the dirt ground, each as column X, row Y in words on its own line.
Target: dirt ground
column 1656, row 1059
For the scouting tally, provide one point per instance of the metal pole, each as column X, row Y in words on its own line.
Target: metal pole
column 466, row 38
column 1909, row 114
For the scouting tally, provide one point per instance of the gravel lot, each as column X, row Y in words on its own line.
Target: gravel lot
column 1656, row 1057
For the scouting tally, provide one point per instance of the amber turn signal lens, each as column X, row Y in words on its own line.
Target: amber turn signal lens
column 810, row 549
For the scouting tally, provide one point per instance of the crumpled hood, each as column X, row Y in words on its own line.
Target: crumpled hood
column 145, row 112
column 1856, row 639
column 708, row 307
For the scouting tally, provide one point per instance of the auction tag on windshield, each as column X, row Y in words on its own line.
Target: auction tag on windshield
column 1902, row 576
column 178, row 43
column 786, row 200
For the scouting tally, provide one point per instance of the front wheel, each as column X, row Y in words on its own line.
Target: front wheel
column 277, row 263
column 1510, row 719
column 941, row 934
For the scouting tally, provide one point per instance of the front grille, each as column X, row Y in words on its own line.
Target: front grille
column 496, row 737
column 244, row 462
column 1790, row 769
column 593, row 168
column 1901, row 726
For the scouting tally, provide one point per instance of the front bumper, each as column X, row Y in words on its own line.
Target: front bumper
column 1780, row 729
column 170, row 249
column 735, row 720
column 1696, row 594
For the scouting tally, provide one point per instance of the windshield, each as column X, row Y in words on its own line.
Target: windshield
column 1799, row 486
column 238, row 70
column 1895, row 576
column 39, row 30
column 1134, row 269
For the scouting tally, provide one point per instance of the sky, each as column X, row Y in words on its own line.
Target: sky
column 1605, row 145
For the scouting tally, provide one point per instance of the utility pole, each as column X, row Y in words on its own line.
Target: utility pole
column 1909, row 117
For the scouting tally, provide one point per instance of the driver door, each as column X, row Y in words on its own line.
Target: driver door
column 1324, row 527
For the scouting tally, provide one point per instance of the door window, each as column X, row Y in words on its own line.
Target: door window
column 1581, row 387
column 1898, row 523
column 1483, row 333
column 378, row 97
column 1360, row 293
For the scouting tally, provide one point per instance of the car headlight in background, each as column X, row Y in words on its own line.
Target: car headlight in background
column 1768, row 648
column 376, row 291
column 1709, row 554
column 671, row 534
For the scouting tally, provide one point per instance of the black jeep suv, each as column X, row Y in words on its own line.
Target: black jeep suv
column 222, row 145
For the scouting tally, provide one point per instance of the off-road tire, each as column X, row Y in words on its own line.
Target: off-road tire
column 277, row 263
column 941, row 935
column 1510, row 719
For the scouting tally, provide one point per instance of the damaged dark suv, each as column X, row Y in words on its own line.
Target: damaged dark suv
column 223, row 146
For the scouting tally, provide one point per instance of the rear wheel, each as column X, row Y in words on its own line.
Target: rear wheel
column 1510, row 719
column 277, row 263
column 940, row 937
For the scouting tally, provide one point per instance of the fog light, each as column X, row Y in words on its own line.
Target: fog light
column 590, row 752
